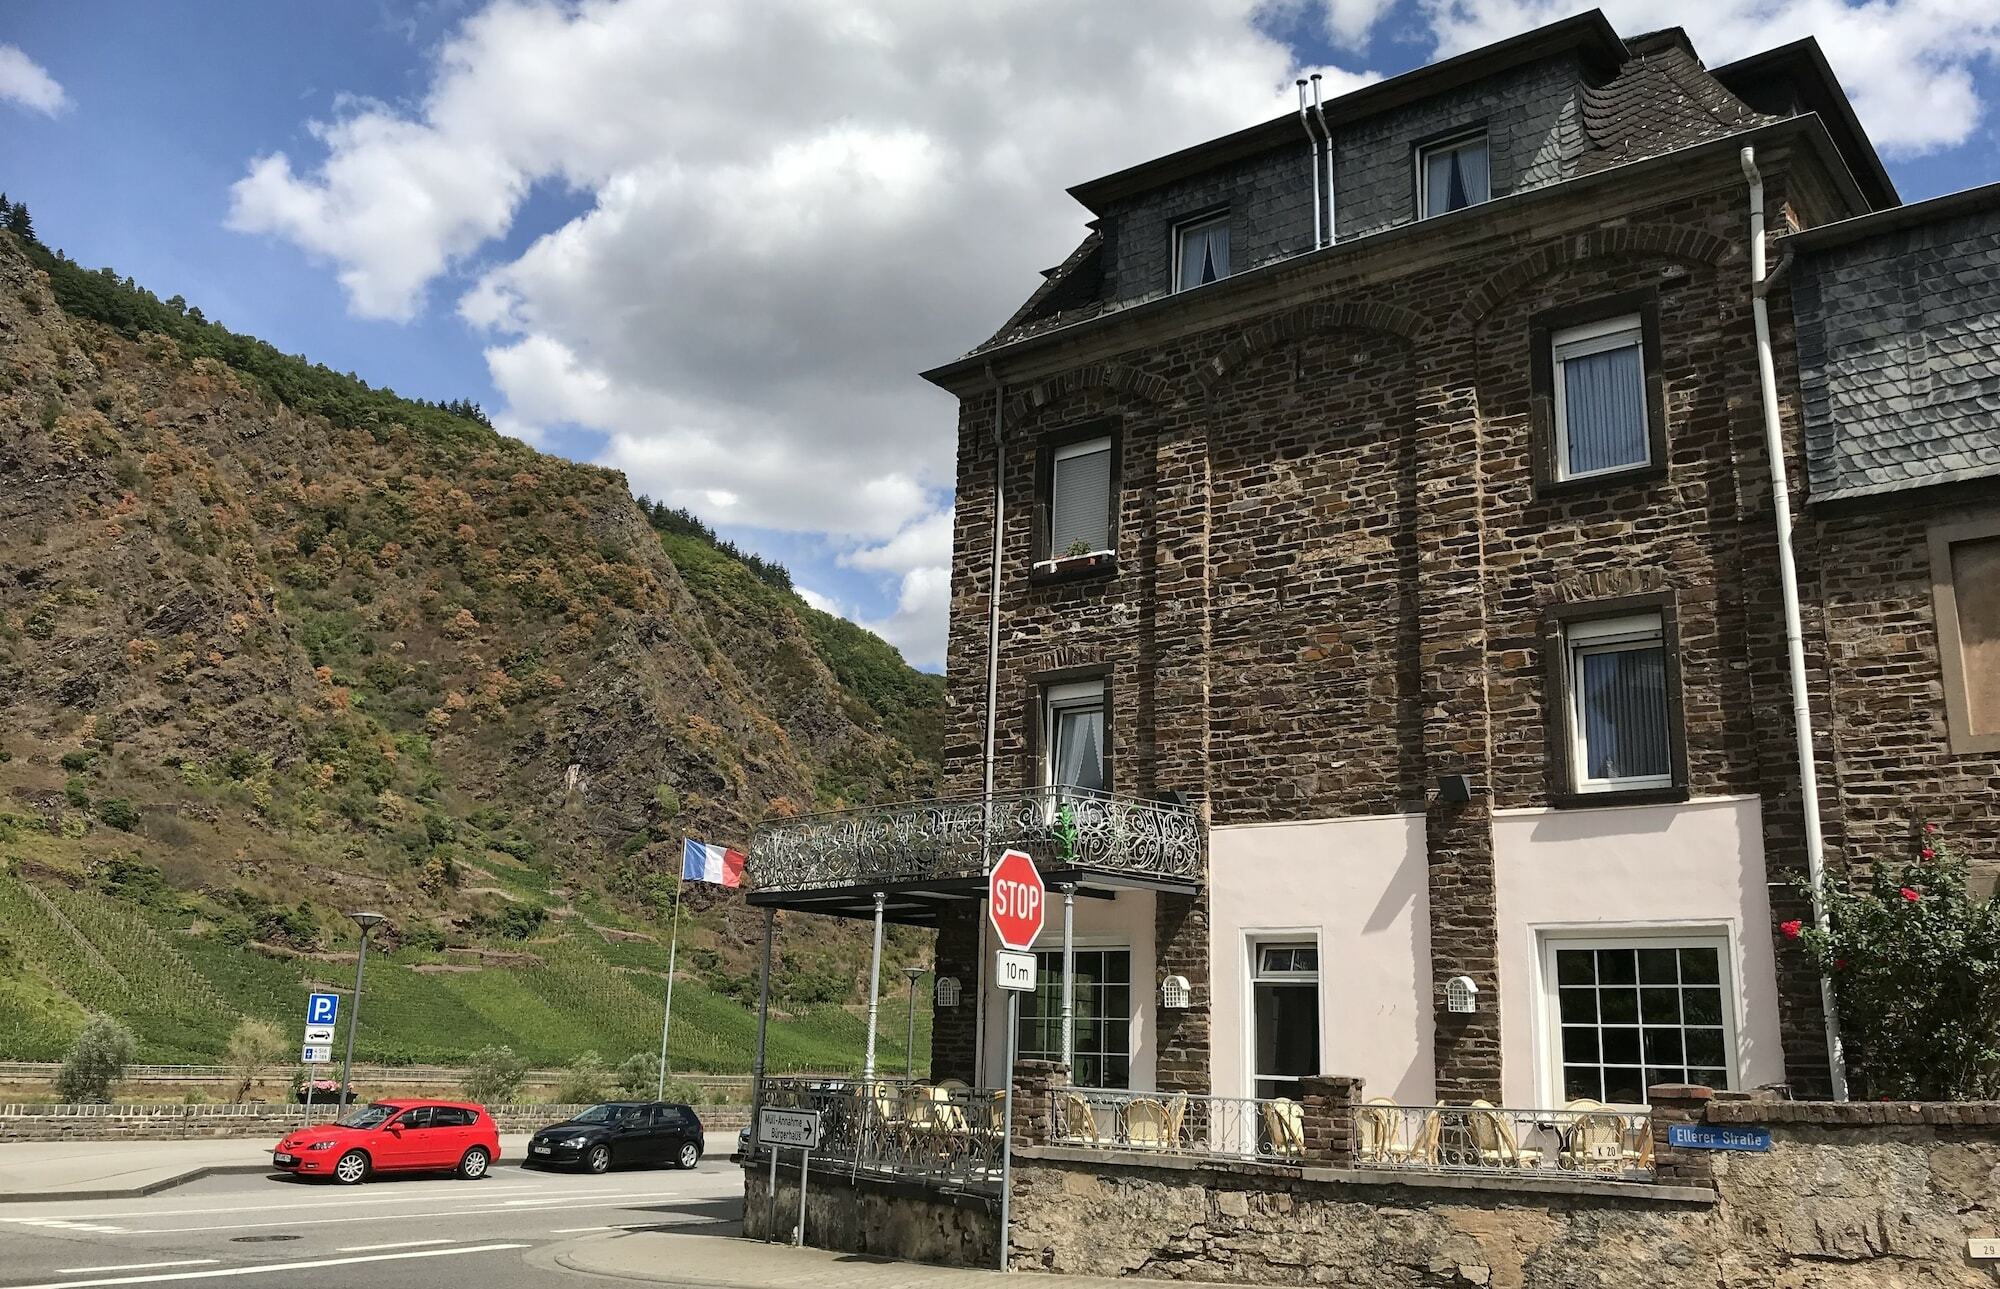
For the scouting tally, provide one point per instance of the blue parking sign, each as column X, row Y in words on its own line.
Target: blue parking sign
column 322, row 1008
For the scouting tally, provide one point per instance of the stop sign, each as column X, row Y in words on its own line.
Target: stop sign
column 1016, row 900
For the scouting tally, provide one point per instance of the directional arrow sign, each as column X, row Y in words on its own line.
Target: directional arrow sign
column 321, row 1009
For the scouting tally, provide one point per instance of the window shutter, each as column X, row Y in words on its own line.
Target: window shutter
column 1080, row 503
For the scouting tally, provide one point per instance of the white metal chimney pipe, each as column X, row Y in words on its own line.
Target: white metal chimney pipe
column 1788, row 576
column 1312, row 155
column 1332, row 228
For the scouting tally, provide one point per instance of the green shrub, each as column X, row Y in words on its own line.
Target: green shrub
column 77, row 790
column 77, row 760
column 494, row 1075
column 583, row 1081
column 254, row 1045
column 1915, row 965
column 638, row 1076
column 95, row 1061
column 119, row 813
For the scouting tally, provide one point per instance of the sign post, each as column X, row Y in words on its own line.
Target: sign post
column 1016, row 902
column 321, row 1012
column 799, row 1128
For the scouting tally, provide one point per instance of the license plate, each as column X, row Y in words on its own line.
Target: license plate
column 286, row 1159
column 539, row 1150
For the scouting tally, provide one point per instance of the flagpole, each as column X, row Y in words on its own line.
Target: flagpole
column 673, row 950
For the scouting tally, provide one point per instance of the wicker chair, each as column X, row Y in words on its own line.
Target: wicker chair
column 1493, row 1137
column 1285, row 1124
column 1145, row 1124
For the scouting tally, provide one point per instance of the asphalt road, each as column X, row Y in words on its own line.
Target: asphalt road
column 495, row 1233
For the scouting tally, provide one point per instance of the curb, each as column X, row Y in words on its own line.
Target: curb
column 136, row 1192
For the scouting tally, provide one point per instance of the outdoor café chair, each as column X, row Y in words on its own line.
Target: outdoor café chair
column 1285, row 1124
column 1145, row 1124
column 1176, row 1126
column 1596, row 1137
column 1079, row 1122
column 1493, row 1137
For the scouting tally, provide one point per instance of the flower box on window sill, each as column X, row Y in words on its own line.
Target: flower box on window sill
column 1064, row 568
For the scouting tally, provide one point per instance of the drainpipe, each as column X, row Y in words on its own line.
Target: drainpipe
column 1781, row 506
column 1332, row 228
column 1312, row 153
column 992, row 702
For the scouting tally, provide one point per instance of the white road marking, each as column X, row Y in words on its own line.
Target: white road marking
column 366, row 1217
column 400, row 1244
column 412, row 1197
column 615, row 1226
column 62, row 1224
column 138, row 1266
column 263, row 1268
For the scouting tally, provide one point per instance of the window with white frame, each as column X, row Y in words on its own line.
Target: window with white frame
column 1284, row 1008
column 1074, row 736
column 1600, row 397
column 1626, row 1014
column 1101, row 1022
column 1201, row 251
column 1620, row 725
column 1080, row 492
column 1453, row 174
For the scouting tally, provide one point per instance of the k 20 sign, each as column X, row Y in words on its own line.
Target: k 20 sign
column 1016, row 900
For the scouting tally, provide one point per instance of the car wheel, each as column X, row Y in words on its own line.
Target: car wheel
column 688, row 1156
column 351, row 1168
column 473, row 1166
column 598, row 1160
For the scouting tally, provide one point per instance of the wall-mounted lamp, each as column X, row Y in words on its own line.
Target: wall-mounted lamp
column 945, row 992
column 1454, row 788
column 1461, row 995
column 1175, row 995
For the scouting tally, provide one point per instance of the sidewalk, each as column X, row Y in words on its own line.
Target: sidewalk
column 92, row 1170
column 726, row 1261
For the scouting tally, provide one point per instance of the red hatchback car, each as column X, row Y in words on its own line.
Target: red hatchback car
column 394, row 1136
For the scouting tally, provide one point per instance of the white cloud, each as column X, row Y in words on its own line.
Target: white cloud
column 793, row 206
column 824, row 603
column 1908, row 64
column 24, row 81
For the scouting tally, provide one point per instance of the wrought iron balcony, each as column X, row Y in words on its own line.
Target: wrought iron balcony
column 1097, row 836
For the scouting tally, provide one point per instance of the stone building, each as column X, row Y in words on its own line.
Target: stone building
column 1366, row 598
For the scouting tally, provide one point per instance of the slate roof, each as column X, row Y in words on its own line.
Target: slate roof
column 1898, row 333
column 1661, row 101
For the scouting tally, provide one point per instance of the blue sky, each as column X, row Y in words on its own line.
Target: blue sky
column 710, row 242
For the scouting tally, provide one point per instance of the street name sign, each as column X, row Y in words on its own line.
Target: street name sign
column 1014, row 970
column 316, row 1053
column 321, row 1009
column 795, row 1128
column 1016, row 900
column 316, row 1034
column 1696, row 1136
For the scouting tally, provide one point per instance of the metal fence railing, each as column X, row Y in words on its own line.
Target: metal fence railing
column 1582, row 1138
column 946, row 1135
column 1179, row 1123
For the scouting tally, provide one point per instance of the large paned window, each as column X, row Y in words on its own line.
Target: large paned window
column 1600, row 393
column 1074, row 736
column 1453, row 174
column 1621, row 734
column 1965, row 593
column 1284, row 1007
column 1629, row 1014
column 1080, row 497
column 1102, row 1020
column 1201, row 251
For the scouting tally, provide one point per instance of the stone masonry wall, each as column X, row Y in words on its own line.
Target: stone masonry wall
column 867, row 1216
column 1850, row 1197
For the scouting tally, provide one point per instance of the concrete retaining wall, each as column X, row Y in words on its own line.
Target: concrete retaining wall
column 180, row 1122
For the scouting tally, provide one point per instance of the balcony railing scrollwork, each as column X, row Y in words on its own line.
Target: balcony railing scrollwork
column 915, row 841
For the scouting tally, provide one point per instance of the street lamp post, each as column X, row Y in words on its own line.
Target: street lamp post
column 367, row 922
column 910, row 1036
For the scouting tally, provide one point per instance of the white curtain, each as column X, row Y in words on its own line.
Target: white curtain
column 1604, row 410
column 1079, row 758
column 1455, row 178
column 1204, row 255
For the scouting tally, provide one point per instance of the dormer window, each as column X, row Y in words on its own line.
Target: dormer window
column 1201, row 251
column 1452, row 174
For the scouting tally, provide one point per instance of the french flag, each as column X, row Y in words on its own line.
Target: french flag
column 705, row 862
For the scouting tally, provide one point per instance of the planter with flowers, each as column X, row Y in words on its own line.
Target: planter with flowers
column 1915, row 964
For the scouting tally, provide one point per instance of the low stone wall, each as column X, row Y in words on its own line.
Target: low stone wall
column 184, row 1122
column 1863, row 1195
column 862, row 1215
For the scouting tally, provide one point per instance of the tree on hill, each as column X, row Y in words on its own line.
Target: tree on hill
column 96, row 1061
column 20, row 224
